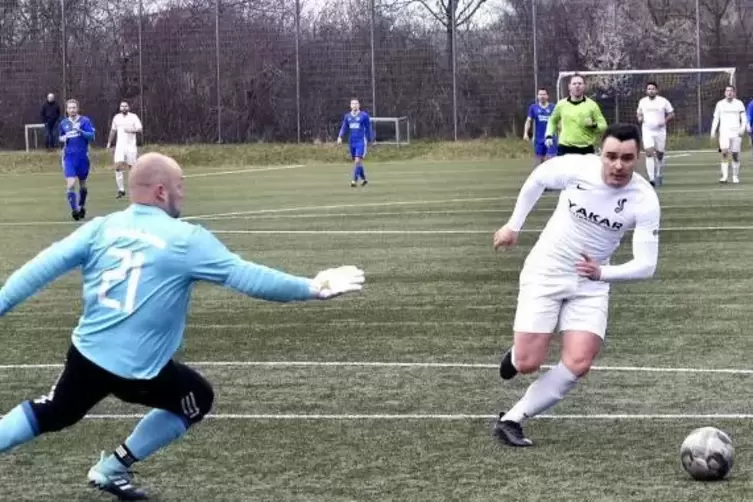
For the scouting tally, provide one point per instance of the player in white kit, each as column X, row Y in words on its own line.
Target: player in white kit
column 729, row 118
column 125, row 126
column 654, row 112
column 564, row 284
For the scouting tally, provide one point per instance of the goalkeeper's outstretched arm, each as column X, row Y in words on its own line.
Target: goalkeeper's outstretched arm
column 209, row 260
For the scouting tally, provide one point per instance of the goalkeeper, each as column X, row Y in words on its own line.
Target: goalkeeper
column 580, row 118
column 138, row 268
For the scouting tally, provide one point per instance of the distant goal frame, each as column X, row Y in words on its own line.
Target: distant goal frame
column 398, row 140
column 28, row 128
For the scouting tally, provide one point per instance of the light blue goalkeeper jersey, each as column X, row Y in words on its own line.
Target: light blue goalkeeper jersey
column 138, row 267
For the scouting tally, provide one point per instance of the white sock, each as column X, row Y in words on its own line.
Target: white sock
column 725, row 170
column 735, row 169
column 119, row 181
column 548, row 390
column 660, row 166
column 650, row 168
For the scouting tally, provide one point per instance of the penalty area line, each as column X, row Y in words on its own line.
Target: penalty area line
column 396, row 364
column 242, row 171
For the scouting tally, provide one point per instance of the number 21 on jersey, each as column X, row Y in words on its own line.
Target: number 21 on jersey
column 129, row 270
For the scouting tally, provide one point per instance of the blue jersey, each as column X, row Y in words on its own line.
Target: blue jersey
column 540, row 116
column 359, row 126
column 750, row 113
column 76, row 135
column 138, row 267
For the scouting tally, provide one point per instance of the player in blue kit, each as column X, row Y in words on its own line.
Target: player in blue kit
column 538, row 117
column 76, row 132
column 138, row 268
column 358, row 124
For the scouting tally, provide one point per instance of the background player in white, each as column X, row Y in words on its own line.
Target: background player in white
column 654, row 112
column 729, row 118
column 126, row 126
column 564, row 284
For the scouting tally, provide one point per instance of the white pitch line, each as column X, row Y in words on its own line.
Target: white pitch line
column 395, row 364
column 418, row 203
column 242, row 171
column 446, row 232
column 440, row 416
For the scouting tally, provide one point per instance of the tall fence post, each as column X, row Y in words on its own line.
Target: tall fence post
column 534, row 26
column 698, row 64
column 373, row 62
column 454, row 39
column 298, row 68
column 64, row 51
column 142, row 99
column 217, row 61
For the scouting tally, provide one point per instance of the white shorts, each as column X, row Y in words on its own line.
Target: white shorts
column 654, row 139
column 547, row 308
column 731, row 142
column 125, row 156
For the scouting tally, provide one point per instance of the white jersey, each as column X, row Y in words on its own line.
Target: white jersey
column 655, row 112
column 729, row 117
column 591, row 217
column 126, row 141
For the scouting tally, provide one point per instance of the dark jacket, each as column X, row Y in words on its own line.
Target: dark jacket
column 50, row 112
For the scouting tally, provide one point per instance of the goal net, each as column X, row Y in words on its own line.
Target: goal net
column 693, row 93
column 391, row 130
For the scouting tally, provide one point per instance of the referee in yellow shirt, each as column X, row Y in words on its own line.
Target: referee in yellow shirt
column 581, row 119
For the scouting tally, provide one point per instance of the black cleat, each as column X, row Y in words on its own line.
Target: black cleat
column 506, row 369
column 511, row 433
column 82, row 213
column 75, row 215
column 653, row 183
column 363, row 183
column 121, row 194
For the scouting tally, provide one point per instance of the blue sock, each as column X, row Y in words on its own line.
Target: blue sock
column 19, row 426
column 155, row 431
column 355, row 172
column 72, row 200
column 361, row 172
column 82, row 193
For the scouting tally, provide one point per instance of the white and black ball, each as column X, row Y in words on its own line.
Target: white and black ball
column 707, row 454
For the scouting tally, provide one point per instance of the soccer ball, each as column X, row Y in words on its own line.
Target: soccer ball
column 707, row 454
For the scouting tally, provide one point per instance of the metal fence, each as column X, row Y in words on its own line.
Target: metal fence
column 285, row 70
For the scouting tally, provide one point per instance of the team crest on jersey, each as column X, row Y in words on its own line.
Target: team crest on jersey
column 584, row 214
column 620, row 206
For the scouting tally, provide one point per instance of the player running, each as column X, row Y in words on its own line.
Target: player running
column 654, row 112
column 580, row 118
column 729, row 118
column 538, row 116
column 76, row 132
column 139, row 266
column 564, row 284
column 750, row 122
column 359, row 124
column 125, row 125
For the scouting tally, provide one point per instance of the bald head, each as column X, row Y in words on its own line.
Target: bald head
column 157, row 180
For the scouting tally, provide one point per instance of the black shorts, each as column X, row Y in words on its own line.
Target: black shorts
column 580, row 150
column 82, row 384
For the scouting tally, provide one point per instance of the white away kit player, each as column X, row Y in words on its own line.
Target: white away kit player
column 654, row 112
column 729, row 118
column 125, row 125
column 564, row 284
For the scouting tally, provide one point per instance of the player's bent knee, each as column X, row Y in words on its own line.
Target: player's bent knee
column 650, row 152
column 531, row 350
column 579, row 351
column 199, row 401
column 52, row 416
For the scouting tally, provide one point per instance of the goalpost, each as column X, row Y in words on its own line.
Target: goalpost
column 693, row 93
column 391, row 130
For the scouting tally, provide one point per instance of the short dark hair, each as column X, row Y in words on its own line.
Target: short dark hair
column 651, row 82
column 577, row 75
column 543, row 89
column 730, row 86
column 623, row 132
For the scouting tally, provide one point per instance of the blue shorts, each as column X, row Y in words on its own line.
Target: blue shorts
column 358, row 150
column 76, row 167
column 541, row 150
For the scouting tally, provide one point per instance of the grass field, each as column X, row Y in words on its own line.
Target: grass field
column 304, row 414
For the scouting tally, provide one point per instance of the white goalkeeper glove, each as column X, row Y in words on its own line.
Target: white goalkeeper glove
column 337, row 281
